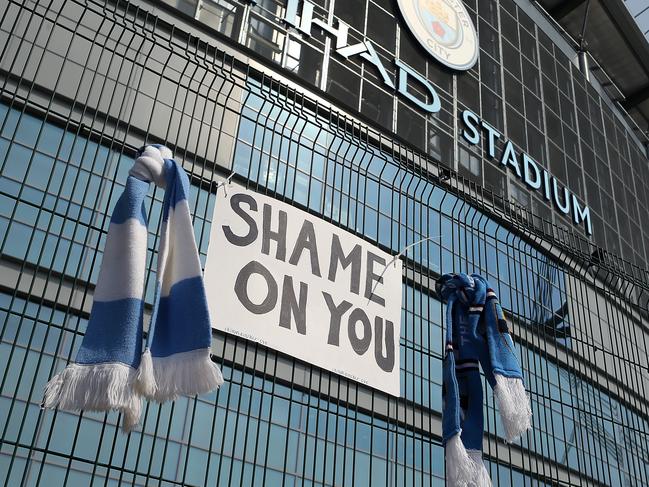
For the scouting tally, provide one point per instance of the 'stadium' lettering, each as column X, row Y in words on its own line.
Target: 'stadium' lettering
column 261, row 292
column 526, row 169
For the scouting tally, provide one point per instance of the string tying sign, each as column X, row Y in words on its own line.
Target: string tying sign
column 293, row 282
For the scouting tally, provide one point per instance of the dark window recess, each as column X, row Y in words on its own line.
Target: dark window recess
column 352, row 12
column 488, row 10
column 563, row 81
column 544, row 40
column 495, row 180
column 411, row 52
column 581, row 98
column 627, row 174
column 514, row 92
column 533, row 109
column 490, row 72
column 222, row 16
column 185, row 6
column 377, row 104
column 592, row 91
column 441, row 76
column 526, row 22
column 446, row 116
column 551, row 95
column 468, row 91
column 604, row 175
column 540, row 211
column 636, row 237
column 547, row 62
column 612, row 239
column 343, row 84
column 470, row 165
column 567, row 111
column 411, row 126
column 511, row 59
column 553, row 127
column 595, row 112
column 620, row 191
column 528, row 46
column 536, row 143
column 592, row 190
column 599, row 235
column 608, row 120
column 509, row 6
column 509, row 27
column 381, row 27
column 531, row 77
column 488, row 39
column 440, row 144
column 472, row 11
column 585, row 131
column 265, row 39
column 588, row 160
column 570, row 143
column 616, row 165
column 575, row 178
column 304, row 61
column 492, row 108
column 556, row 163
column 608, row 207
column 599, row 142
column 624, row 225
column 520, row 195
column 516, row 127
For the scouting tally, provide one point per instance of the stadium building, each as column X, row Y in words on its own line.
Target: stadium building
column 504, row 137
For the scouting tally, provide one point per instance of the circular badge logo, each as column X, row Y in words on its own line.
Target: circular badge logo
column 445, row 30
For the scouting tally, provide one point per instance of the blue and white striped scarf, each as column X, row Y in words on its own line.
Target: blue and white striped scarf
column 111, row 372
column 477, row 335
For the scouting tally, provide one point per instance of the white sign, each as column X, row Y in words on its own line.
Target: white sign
column 293, row 282
column 444, row 29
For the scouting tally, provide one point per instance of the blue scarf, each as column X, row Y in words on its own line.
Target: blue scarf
column 111, row 371
column 476, row 333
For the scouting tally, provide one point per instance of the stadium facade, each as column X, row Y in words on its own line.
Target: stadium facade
column 511, row 131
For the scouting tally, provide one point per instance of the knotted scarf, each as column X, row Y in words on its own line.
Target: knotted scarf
column 111, row 371
column 476, row 333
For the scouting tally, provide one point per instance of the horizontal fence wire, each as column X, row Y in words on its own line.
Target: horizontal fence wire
column 85, row 83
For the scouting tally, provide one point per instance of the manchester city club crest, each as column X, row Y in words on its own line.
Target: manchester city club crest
column 444, row 29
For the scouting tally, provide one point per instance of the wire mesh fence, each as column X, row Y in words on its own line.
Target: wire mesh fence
column 84, row 83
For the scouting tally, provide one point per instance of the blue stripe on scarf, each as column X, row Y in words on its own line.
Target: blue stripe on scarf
column 177, row 184
column 131, row 203
column 191, row 328
column 116, row 328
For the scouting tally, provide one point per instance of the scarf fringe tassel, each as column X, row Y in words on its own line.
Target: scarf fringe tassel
column 461, row 469
column 145, row 383
column 180, row 374
column 100, row 387
column 482, row 478
column 514, row 406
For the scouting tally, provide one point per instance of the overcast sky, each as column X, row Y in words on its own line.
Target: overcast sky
column 640, row 10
